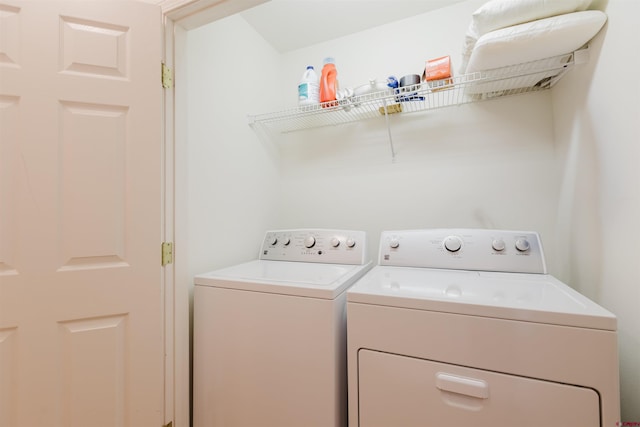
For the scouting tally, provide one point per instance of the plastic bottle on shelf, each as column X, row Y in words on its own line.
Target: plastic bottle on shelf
column 328, row 83
column 308, row 89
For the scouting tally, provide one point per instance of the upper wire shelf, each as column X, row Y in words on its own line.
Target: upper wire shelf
column 511, row 80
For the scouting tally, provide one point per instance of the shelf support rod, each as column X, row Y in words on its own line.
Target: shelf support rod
column 386, row 117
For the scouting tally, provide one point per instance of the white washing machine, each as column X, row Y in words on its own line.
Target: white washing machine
column 270, row 334
column 464, row 327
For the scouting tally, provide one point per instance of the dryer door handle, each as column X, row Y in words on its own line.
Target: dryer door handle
column 462, row 385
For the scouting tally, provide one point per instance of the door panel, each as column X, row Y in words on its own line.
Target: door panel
column 81, row 321
column 93, row 149
column 8, row 360
column 9, row 162
column 92, row 396
column 397, row 390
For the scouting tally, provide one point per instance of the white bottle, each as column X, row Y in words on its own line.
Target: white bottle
column 309, row 88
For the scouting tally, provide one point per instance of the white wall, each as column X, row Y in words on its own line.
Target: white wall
column 598, row 142
column 566, row 168
column 481, row 165
column 232, row 175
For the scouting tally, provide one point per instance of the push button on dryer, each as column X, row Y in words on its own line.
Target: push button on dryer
column 498, row 245
column 522, row 245
column 452, row 243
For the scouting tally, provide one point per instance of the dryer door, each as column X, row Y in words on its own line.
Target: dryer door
column 404, row 391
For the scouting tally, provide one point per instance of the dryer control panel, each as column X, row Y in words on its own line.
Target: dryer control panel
column 315, row 245
column 464, row 249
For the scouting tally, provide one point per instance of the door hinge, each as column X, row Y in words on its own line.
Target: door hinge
column 167, row 77
column 167, row 253
column 169, row 424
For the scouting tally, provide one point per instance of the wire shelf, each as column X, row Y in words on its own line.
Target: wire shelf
column 458, row 90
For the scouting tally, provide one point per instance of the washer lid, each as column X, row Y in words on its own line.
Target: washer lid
column 288, row 278
column 537, row 298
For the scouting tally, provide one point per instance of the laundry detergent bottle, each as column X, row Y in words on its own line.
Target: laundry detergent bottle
column 328, row 83
column 308, row 89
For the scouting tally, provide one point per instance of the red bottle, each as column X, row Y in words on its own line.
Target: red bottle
column 328, row 83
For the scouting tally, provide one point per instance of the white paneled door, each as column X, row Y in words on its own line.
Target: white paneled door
column 81, row 308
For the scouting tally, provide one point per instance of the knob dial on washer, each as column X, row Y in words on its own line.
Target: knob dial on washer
column 452, row 243
column 335, row 242
column 273, row 240
column 394, row 244
column 286, row 241
column 309, row 241
column 350, row 242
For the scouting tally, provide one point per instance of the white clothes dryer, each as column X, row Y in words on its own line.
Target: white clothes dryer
column 464, row 327
column 270, row 334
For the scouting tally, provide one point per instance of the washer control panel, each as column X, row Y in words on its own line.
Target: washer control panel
column 315, row 245
column 464, row 249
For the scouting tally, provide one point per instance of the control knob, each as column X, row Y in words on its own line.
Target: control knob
column 272, row 240
column 351, row 243
column 309, row 241
column 394, row 243
column 335, row 242
column 522, row 245
column 498, row 245
column 452, row 243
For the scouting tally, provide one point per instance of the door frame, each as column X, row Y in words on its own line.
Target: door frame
column 180, row 16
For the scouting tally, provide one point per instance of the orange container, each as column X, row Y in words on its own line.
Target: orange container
column 328, row 83
column 437, row 72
